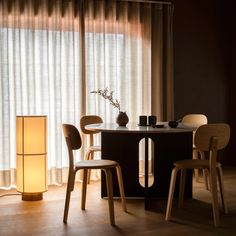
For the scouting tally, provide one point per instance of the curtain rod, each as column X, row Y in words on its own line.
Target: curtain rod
column 148, row 1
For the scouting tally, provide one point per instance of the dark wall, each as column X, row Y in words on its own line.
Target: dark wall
column 232, row 103
column 202, row 59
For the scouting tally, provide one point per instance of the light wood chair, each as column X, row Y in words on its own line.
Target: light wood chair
column 73, row 141
column 210, row 138
column 196, row 120
column 91, row 149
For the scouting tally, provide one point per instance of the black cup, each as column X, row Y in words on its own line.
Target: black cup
column 173, row 123
column 152, row 120
column 142, row 120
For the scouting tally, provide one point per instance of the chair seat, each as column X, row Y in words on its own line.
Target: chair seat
column 94, row 148
column 95, row 164
column 194, row 164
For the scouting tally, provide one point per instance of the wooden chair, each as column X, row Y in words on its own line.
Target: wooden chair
column 196, row 120
column 210, row 138
column 91, row 149
column 73, row 141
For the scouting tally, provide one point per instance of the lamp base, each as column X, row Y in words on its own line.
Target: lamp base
column 32, row 196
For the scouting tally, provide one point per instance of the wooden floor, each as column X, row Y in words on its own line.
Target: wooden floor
column 44, row 217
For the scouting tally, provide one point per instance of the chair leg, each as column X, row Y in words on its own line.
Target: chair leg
column 205, row 176
column 110, row 195
column 171, row 193
column 181, row 187
column 196, row 172
column 84, row 189
column 121, row 187
column 221, row 185
column 204, row 171
column 89, row 171
column 89, row 157
column 215, row 206
column 69, row 189
column 196, row 175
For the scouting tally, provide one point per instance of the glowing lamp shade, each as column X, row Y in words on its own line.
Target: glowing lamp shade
column 31, row 149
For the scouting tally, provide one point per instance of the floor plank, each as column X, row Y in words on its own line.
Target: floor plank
column 44, row 217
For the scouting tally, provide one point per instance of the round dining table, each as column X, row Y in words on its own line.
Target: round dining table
column 122, row 144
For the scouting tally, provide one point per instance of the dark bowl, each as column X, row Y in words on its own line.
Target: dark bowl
column 173, row 124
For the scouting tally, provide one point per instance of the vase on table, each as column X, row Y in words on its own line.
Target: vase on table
column 122, row 119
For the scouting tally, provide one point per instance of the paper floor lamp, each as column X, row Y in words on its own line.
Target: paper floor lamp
column 31, row 149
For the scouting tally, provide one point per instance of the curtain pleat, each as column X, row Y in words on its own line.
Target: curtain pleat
column 54, row 53
column 162, row 63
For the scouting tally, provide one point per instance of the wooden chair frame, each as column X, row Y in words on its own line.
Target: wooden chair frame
column 210, row 138
column 73, row 141
column 91, row 149
column 197, row 120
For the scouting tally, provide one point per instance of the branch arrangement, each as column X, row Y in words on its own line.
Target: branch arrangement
column 108, row 96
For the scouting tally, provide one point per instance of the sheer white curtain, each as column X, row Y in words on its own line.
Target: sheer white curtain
column 40, row 75
column 54, row 53
column 118, row 56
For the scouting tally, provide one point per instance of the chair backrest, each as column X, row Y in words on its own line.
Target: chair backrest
column 87, row 120
column 209, row 133
column 194, row 120
column 72, row 136
column 73, row 141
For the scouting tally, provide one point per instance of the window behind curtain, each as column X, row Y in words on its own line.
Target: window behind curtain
column 54, row 53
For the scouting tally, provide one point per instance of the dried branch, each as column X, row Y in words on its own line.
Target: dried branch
column 109, row 96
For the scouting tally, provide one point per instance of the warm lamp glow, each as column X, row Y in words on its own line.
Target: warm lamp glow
column 31, row 150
